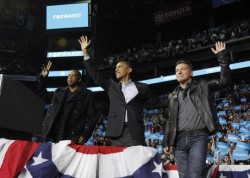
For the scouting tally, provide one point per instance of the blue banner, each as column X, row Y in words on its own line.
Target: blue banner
column 222, row 145
column 243, row 100
column 243, row 123
column 222, row 153
column 235, row 125
column 244, row 130
column 243, row 146
column 237, row 108
column 221, row 113
column 218, row 134
column 232, row 138
column 210, row 158
column 240, row 154
column 223, row 121
column 154, row 137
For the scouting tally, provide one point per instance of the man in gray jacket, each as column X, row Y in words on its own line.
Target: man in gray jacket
column 192, row 116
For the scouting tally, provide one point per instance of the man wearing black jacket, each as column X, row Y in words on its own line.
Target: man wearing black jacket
column 127, row 99
column 192, row 115
column 72, row 112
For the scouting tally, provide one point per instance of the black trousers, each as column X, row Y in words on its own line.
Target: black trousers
column 125, row 139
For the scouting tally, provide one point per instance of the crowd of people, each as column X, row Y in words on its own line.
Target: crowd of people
column 152, row 52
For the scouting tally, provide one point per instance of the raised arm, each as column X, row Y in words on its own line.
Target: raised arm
column 84, row 42
column 42, row 91
column 223, row 60
column 45, row 69
column 93, row 72
column 219, row 46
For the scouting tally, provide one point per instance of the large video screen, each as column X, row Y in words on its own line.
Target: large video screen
column 67, row 16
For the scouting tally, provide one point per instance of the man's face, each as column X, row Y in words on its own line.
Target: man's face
column 122, row 70
column 183, row 73
column 73, row 78
column 226, row 159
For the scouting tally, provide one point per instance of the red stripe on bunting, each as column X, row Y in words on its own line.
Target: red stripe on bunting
column 17, row 155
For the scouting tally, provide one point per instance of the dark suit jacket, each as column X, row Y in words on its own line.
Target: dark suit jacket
column 118, row 105
column 81, row 111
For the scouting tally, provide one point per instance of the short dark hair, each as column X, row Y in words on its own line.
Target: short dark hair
column 127, row 63
column 79, row 75
column 184, row 62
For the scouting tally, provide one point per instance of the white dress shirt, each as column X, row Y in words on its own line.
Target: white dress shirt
column 129, row 91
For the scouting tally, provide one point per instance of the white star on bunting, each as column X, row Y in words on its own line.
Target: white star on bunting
column 158, row 168
column 38, row 160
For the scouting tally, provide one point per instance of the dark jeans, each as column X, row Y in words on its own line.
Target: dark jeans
column 191, row 153
column 125, row 139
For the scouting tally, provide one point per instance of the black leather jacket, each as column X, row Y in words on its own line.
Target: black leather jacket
column 200, row 94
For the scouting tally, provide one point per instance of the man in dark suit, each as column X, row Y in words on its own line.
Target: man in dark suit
column 72, row 112
column 127, row 98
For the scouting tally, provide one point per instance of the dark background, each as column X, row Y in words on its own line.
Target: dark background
column 115, row 27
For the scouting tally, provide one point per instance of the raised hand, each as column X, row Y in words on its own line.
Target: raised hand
column 219, row 46
column 45, row 69
column 84, row 42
